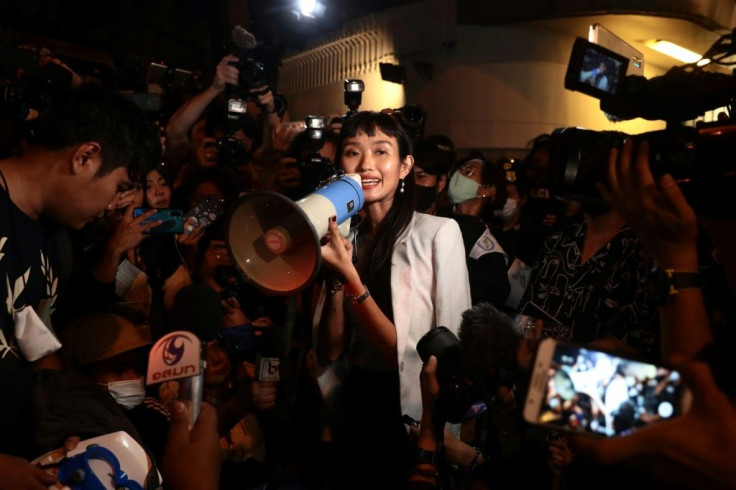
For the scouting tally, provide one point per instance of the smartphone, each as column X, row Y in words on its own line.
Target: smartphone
column 209, row 209
column 172, row 220
column 581, row 390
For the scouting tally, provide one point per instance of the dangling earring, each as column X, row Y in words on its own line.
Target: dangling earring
column 402, row 186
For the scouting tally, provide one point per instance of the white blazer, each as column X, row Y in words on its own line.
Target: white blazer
column 429, row 288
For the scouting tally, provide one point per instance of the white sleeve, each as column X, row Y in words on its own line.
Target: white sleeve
column 451, row 286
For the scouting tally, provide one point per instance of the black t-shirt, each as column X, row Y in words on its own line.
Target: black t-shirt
column 28, row 274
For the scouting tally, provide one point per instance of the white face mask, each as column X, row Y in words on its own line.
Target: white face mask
column 129, row 393
column 509, row 209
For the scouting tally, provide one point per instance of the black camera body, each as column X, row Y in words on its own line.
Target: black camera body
column 701, row 159
column 316, row 168
column 251, row 74
column 412, row 118
column 232, row 153
column 459, row 393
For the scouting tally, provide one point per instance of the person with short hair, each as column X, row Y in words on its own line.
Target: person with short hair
column 91, row 147
column 430, row 175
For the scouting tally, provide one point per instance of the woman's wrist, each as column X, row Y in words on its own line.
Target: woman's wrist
column 461, row 454
column 352, row 282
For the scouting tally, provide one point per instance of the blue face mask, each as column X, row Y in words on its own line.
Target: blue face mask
column 462, row 188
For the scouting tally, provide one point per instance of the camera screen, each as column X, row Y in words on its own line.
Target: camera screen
column 595, row 70
column 595, row 392
column 601, row 71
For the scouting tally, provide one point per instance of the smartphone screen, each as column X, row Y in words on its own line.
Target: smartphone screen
column 172, row 220
column 577, row 389
column 209, row 209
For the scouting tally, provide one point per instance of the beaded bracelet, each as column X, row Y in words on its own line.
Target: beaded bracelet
column 359, row 299
column 476, row 464
column 476, row 461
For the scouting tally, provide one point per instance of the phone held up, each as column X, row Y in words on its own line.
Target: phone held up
column 580, row 390
column 172, row 220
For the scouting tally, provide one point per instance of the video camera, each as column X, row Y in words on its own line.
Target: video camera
column 701, row 159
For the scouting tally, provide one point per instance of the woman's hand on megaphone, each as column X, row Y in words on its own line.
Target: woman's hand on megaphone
column 337, row 254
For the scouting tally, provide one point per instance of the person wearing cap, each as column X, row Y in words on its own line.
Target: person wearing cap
column 102, row 388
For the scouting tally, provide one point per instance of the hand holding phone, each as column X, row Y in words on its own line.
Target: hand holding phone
column 700, row 444
column 209, row 209
column 582, row 390
column 172, row 220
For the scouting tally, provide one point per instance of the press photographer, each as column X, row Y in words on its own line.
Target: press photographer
column 309, row 161
column 489, row 363
column 231, row 123
column 311, row 157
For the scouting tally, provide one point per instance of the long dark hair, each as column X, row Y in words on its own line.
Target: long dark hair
column 402, row 209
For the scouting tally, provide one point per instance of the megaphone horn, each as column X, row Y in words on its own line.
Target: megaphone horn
column 275, row 242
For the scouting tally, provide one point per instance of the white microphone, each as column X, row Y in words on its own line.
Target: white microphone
column 176, row 364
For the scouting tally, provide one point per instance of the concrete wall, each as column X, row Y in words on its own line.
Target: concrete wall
column 503, row 85
column 489, row 86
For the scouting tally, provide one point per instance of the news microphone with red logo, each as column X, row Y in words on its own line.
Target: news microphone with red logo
column 176, row 364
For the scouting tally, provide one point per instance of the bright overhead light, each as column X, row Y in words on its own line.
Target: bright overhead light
column 311, row 8
column 674, row 51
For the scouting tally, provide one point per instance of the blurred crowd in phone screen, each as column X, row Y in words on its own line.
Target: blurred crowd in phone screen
column 114, row 283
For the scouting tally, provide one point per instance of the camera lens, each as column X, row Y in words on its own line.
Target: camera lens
column 437, row 342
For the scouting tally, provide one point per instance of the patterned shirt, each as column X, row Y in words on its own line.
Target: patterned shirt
column 597, row 298
column 28, row 265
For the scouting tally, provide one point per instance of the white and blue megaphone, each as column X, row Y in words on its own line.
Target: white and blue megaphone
column 275, row 242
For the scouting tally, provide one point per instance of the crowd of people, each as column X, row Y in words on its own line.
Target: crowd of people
column 445, row 237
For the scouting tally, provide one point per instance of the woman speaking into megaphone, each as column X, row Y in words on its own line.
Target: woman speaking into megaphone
column 398, row 275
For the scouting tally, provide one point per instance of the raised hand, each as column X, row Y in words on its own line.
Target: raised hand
column 656, row 210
